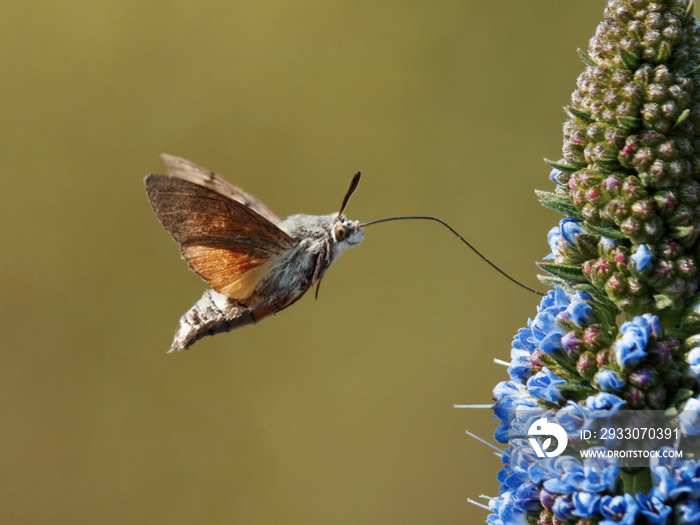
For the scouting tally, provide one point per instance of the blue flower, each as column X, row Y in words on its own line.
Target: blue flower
column 667, row 480
column 572, row 417
column 585, row 503
column 570, row 228
column 527, row 498
column 554, row 175
column 509, row 397
column 545, row 385
column 555, row 473
column 631, row 347
column 687, row 512
column 521, row 349
column 642, row 258
column 604, row 401
column 563, row 508
column 693, row 359
column 505, row 512
column 652, row 507
column 580, row 311
column 654, row 325
column 553, row 238
column 689, row 417
column 517, row 465
column 607, row 245
column 566, row 231
column 566, row 474
column 610, row 380
column 618, row 509
column 688, row 473
column 544, row 332
column 599, row 473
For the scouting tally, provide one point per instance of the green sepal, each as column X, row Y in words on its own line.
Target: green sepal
column 682, row 117
column 599, row 296
column 691, row 315
column 580, row 391
column 607, row 320
column 662, row 301
column 532, row 519
column 683, row 231
column 568, row 272
column 681, row 395
column 563, row 366
column 605, row 311
column 628, row 123
column 586, row 58
column 563, row 166
column 608, row 164
column 558, row 203
column 692, row 341
column 629, row 59
column 690, row 9
column 634, row 480
column 664, row 52
column 553, row 282
column 577, row 113
column 587, row 245
column 604, row 231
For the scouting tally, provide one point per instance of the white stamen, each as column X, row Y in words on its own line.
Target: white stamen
column 482, row 440
column 473, row 406
column 501, row 362
column 478, row 504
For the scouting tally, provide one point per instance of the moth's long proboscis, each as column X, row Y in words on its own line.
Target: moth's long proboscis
column 437, row 219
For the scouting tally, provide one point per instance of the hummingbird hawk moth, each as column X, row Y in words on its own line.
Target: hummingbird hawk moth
column 255, row 262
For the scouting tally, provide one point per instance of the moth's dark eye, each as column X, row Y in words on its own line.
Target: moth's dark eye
column 340, row 232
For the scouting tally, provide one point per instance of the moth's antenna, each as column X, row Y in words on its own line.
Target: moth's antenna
column 428, row 218
column 353, row 186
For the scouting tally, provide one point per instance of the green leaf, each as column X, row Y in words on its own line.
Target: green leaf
column 681, row 395
column 605, row 231
column 663, row 301
column 586, row 58
column 634, row 481
column 577, row 113
column 569, row 272
column 690, row 8
column 682, row 117
column 553, row 282
column 693, row 71
column 567, row 168
column 558, row 203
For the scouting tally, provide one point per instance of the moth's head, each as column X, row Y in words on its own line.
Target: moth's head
column 344, row 231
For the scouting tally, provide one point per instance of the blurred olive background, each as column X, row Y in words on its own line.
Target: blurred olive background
column 337, row 410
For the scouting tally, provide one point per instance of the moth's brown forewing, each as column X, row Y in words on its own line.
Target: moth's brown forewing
column 186, row 170
column 225, row 242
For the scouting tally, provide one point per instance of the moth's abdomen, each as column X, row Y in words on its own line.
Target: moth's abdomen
column 212, row 314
